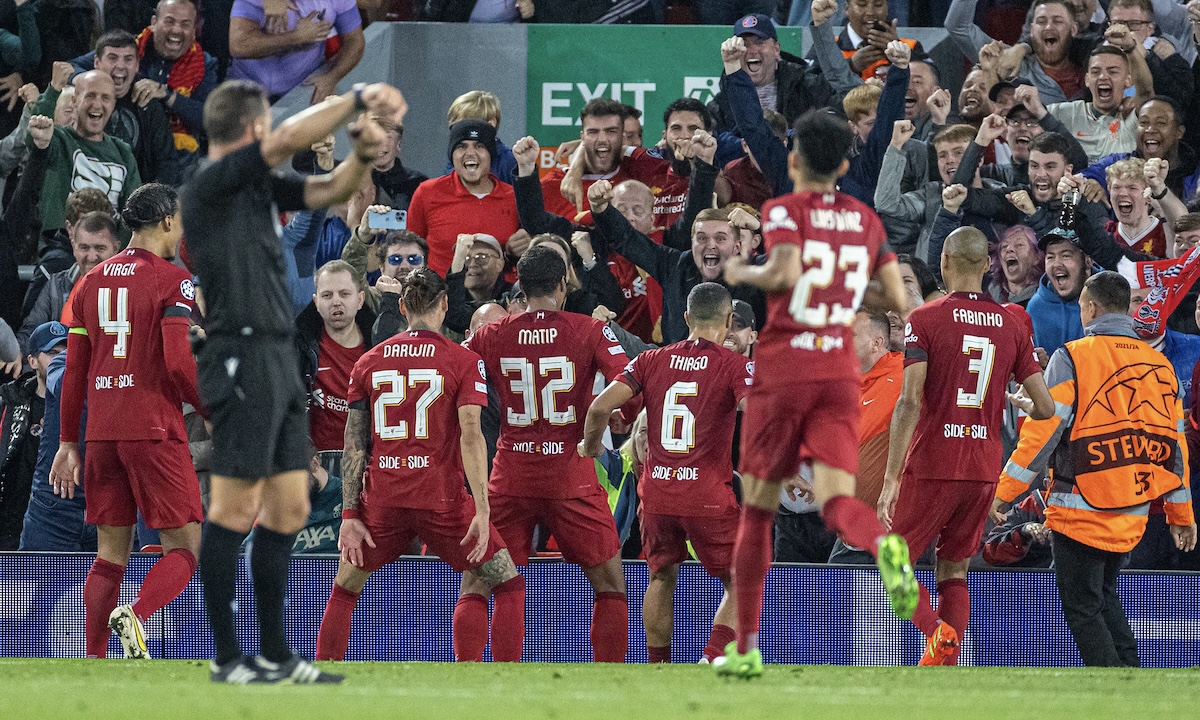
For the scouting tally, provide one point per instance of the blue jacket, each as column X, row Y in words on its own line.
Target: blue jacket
column 48, row 446
column 1183, row 351
column 865, row 165
column 1055, row 321
column 772, row 155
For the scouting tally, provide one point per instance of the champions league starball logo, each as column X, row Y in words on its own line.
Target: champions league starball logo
column 187, row 289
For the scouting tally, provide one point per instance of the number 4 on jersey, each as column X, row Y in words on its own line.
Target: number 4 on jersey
column 115, row 323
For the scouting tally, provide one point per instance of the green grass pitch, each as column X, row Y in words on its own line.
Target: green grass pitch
column 178, row 689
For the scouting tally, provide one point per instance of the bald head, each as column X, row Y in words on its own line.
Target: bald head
column 967, row 247
column 95, row 98
column 635, row 201
column 486, row 315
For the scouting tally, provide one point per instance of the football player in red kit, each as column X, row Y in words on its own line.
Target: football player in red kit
column 130, row 356
column 413, row 431
column 691, row 391
column 945, row 452
column 823, row 250
column 543, row 363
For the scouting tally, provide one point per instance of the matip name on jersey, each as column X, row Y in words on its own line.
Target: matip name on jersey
column 540, row 336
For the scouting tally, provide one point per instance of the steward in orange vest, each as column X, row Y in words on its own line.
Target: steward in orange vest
column 1115, row 443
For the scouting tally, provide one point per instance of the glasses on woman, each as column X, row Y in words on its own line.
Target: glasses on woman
column 414, row 260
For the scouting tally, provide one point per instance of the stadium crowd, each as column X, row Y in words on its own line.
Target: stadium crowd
column 1071, row 149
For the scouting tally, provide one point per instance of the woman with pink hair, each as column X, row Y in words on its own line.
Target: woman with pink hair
column 1017, row 265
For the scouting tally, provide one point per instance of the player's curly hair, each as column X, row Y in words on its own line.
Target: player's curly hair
column 149, row 205
column 540, row 270
column 422, row 289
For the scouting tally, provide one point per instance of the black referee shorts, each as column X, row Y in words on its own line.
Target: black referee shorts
column 256, row 402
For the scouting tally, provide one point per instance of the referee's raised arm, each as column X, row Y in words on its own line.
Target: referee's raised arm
column 299, row 132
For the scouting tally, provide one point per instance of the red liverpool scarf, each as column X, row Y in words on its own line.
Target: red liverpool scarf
column 1169, row 281
column 186, row 75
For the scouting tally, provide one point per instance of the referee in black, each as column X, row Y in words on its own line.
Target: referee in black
column 248, row 371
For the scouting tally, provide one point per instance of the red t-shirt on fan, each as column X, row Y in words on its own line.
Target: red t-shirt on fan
column 543, row 365
column 691, row 390
column 413, row 385
column 121, row 306
column 808, row 335
column 972, row 346
column 328, row 407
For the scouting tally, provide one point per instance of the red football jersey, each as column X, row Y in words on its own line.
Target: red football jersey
column 691, row 390
column 328, row 407
column 670, row 190
column 413, row 385
column 973, row 346
column 121, row 306
column 808, row 335
column 544, row 365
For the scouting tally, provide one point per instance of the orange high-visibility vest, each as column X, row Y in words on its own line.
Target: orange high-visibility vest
column 870, row 71
column 1125, row 439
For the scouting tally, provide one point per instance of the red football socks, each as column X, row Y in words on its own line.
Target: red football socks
column 169, row 576
column 508, row 620
column 925, row 617
column 954, row 604
column 751, row 560
column 334, row 636
column 100, row 593
column 470, row 628
column 720, row 636
column 659, row 654
column 610, row 627
column 856, row 523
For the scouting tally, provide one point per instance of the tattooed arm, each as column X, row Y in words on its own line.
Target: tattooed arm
column 354, row 458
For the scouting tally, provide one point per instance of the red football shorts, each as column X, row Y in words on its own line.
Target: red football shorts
column 121, row 477
column 393, row 530
column 665, row 538
column 785, row 426
column 952, row 511
column 583, row 527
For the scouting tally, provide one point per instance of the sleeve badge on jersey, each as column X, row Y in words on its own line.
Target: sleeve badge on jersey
column 778, row 219
column 482, row 370
column 750, row 368
column 610, row 335
column 187, row 289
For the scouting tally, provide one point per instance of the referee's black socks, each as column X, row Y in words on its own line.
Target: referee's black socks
column 270, row 555
column 218, row 572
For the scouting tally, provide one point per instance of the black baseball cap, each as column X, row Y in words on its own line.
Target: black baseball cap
column 743, row 314
column 1013, row 84
column 756, row 24
column 1058, row 235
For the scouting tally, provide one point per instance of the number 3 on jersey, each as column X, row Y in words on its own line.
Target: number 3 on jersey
column 980, row 366
column 115, row 322
column 525, row 387
column 819, row 258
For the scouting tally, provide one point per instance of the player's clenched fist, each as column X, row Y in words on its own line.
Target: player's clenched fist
column 600, row 195
column 41, row 130
column 525, row 152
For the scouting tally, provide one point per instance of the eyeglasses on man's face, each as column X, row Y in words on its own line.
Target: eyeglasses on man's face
column 415, row 260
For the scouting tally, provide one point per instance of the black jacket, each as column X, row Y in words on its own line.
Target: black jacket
column 308, row 338
column 799, row 87
column 20, row 427
column 395, row 187
column 675, row 271
column 148, row 132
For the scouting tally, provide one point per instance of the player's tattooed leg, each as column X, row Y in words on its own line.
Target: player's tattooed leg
column 497, row 570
